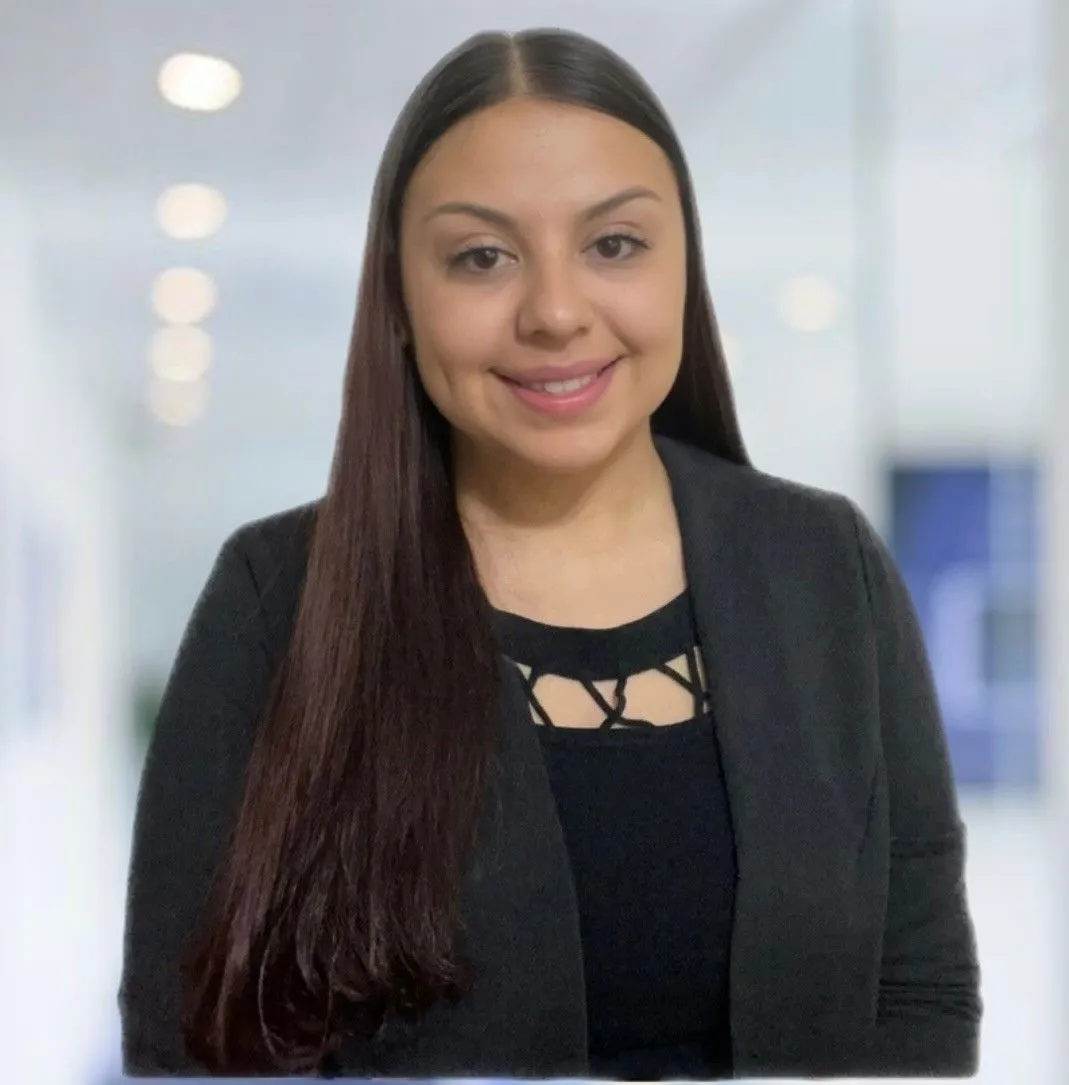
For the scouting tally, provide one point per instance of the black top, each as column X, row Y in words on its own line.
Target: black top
column 852, row 947
column 646, row 821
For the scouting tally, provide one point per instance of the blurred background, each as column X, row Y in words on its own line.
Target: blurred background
column 884, row 189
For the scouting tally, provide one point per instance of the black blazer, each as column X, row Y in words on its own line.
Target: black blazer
column 852, row 953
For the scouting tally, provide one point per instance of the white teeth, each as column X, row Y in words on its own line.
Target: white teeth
column 562, row 388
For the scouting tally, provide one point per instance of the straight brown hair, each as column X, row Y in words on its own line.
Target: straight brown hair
column 373, row 766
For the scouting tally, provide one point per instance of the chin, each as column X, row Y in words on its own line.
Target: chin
column 564, row 453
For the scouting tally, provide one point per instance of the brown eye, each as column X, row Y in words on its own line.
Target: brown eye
column 617, row 246
column 483, row 258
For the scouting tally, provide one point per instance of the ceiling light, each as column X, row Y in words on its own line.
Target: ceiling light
column 178, row 404
column 180, row 353
column 201, row 83
column 190, row 212
column 809, row 304
column 183, row 295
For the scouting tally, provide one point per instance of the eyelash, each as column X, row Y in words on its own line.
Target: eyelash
column 461, row 259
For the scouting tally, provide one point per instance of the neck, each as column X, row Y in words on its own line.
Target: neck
column 501, row 497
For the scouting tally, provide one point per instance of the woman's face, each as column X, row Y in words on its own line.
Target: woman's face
column 537, row 236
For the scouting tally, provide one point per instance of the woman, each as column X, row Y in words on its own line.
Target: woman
column 555, row 740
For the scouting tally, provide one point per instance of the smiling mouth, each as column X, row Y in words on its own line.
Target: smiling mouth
column 561, row 387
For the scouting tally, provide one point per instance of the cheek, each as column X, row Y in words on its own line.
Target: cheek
column 650, row 317
column 453, row 337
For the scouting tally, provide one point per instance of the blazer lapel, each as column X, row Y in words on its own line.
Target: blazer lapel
column 799, row 875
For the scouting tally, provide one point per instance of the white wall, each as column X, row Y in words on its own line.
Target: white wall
column 968, row 278
column 62, row 842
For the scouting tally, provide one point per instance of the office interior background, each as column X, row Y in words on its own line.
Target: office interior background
column 884, row 189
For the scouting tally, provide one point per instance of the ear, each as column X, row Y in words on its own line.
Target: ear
column 400, row 329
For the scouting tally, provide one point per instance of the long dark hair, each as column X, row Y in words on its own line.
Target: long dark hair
column 338, row 903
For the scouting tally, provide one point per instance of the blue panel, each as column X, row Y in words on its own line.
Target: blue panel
column 965, row 540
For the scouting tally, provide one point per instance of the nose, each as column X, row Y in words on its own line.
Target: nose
column 554, row 305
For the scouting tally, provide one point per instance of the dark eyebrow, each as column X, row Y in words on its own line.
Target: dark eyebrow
column 499, row 218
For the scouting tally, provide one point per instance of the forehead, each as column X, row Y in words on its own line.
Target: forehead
column 526, row 153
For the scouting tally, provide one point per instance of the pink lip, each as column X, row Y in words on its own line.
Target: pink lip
column 546, row 373
column 569, row 405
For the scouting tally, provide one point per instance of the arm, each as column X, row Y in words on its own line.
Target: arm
column 928, row 1019
column 189, row 793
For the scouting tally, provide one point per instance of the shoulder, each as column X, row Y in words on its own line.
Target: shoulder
column 817, row 545
column 770, row 512
column 278, row 544
column 270, row 555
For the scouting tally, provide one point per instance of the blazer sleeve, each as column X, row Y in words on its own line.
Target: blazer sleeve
column 189, row 792
column 929, row 1012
